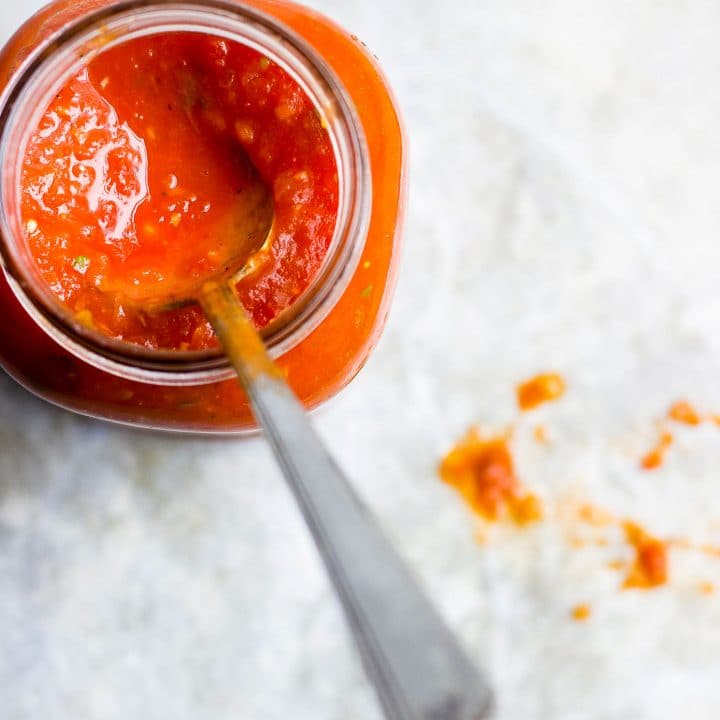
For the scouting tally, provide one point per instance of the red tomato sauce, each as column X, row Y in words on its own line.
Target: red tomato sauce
column 135, row 177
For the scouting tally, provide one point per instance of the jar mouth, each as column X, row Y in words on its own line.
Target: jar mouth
column 60, row 57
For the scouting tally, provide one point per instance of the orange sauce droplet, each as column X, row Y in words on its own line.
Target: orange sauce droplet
column 581, row 612
column 482, row 470
column 593, row 515
column 540, row 434
column 540, row 389
column 710, row 550
column 684, row 412
column 706, row 588
column 650, row 565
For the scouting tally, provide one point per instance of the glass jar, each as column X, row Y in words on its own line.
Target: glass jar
column 323, row 340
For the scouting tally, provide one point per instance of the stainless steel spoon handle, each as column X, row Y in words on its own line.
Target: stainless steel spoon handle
column 417, row 666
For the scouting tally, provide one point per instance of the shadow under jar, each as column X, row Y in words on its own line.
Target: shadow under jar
column 323, row 335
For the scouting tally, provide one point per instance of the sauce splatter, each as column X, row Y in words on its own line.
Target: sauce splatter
column 594, row 515
column 540, row 434
column 656, row 456
column 543, row 388
column 651, row 562
column 684, row 412
column 482, row 470
column 706, row 549
column 679, row 412
column 581, row 612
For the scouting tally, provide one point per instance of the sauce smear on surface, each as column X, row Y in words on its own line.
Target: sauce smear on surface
column 684, row 412
column 141, row 167
column 483, row 472
column 650, row 564
column 540, row 389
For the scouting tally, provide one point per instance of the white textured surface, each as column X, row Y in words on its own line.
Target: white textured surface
column 563, row 214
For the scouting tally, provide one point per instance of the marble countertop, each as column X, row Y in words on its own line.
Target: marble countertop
column 563, row 215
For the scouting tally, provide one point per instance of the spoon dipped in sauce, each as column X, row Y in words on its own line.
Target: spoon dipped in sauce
column 170, row 207
column 417, row 667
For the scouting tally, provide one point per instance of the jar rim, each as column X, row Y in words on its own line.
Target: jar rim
column 93, row 33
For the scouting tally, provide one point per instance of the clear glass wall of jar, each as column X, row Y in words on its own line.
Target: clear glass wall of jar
column 328, row 334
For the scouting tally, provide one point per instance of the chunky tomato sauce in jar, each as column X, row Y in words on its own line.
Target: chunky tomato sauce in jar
column 131, row 135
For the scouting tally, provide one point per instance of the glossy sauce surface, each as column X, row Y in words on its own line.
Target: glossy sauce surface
column 141, row 170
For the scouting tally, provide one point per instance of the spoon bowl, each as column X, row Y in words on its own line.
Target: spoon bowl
column 251, row 225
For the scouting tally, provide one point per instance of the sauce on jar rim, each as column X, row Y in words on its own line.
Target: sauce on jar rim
column 139, row 170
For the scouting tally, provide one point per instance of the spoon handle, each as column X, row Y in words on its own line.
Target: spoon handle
column 417, row 666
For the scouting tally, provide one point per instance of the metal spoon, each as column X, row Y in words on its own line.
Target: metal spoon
column 419, row 670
